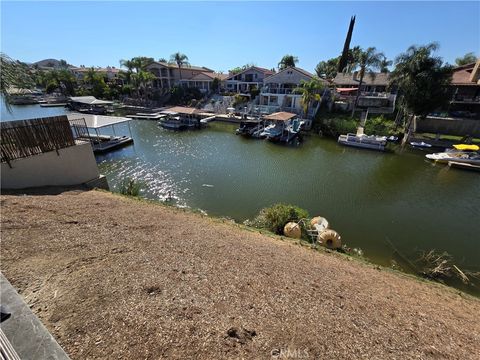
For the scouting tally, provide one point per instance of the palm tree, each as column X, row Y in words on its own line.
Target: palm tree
column 287, row 61
column 143, row 78
column 384, row 64
column 181, row 60
column 466, row 59
column 12, row 74
column 353, row 59
column 140, row 63
column 423, row 80
column 90, row 76
column 7, row 77
column 310, row 91
column 369, row 61
column 129, row 65
column 327, row 69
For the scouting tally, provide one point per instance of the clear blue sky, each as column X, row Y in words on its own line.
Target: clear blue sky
column 222, row 35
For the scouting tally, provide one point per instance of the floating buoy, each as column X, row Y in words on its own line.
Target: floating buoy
column 318, row 220
column 330, row 239
column 292, row 230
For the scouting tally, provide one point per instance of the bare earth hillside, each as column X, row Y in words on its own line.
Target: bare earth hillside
column 115, row 278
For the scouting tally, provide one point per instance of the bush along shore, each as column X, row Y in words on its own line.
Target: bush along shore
column 278, row 218
column 333, row 124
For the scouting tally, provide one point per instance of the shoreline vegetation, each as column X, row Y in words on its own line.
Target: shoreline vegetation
column 430, row 264
column 171, row 289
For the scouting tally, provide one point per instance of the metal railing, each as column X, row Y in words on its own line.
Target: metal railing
column 466, row 99
column 281, row 91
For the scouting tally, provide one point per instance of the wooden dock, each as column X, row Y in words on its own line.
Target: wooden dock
column 463, row 166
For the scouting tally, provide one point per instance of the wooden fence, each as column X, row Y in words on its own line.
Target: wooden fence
column 23, row 138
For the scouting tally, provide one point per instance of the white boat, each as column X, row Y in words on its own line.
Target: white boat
column 420, row 144
column 472, row 158
column 147, row 116
column 272, row 131
column 172, row 123
column 372, row 142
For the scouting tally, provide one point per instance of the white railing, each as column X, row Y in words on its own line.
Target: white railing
column 281, row 91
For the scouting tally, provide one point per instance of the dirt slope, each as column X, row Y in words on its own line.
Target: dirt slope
column 117, row 278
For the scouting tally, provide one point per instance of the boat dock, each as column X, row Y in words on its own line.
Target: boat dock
column 81, row 123
column 464, row 166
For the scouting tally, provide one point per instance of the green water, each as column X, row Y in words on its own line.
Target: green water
column 370, row 198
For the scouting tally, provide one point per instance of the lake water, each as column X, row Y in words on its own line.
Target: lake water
column 372, row 199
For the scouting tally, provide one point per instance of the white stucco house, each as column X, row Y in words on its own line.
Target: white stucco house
column 247, row 79
column 278, row 90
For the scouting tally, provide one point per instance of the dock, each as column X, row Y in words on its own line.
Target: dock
column 53, row 104
column 464, row 166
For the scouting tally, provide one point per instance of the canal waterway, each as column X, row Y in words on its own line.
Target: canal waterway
column 378, row 202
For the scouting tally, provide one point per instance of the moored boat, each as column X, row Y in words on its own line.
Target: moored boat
column 371, row 142
column 248, row 127
column 420, row 144
column 455, row 156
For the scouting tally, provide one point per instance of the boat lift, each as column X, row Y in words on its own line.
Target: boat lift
column 81, row 123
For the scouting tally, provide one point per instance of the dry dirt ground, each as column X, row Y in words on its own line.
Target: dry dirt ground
column 116, row 278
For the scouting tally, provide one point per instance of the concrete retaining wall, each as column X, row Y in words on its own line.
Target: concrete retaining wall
column 71, row 166
column 449, row 126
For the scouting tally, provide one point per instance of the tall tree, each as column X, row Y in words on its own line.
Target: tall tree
column 384, row 64
column 353, row 59
column 140, row 63
column 369, row 61
column 342, row 63
column 310, row 91
column 423, row 80
column 466, row 59
column 62, row 64
column 287, row 61
column 181, row 60
column 327, row 69
column 239, row 69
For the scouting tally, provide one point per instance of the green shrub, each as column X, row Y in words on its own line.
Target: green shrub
column 275, row 217
column 379, row 126
column 239, row 99
column 337, row 124
column 130, row 187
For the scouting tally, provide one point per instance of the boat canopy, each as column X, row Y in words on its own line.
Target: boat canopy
column 346, row 89
column 98, row 121
column 280, row 116
column 180, row 110
column 466, row 147
column 89, row 100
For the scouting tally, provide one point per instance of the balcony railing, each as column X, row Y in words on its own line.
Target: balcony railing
column 466, row 99
column 281, row 91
